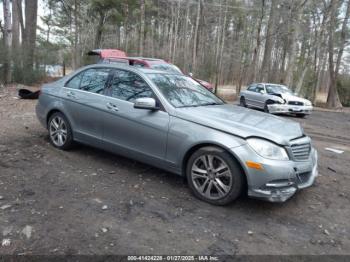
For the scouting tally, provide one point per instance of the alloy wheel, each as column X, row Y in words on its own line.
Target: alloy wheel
column 211, row 176
column 58, row 131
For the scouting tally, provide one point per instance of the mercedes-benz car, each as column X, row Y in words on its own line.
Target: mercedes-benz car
column 275, row 99
column 172, row 122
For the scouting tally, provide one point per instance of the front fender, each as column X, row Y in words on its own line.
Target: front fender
column 185, row 135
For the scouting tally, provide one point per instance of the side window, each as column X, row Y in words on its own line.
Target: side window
column 269, row 90
column 260, row 88
column 252, row 88
column 94, row 80
column 74, row 83
column 128, row 86
column 91, row 80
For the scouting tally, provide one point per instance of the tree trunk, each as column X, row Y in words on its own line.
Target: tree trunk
column 31, row 11
column 333, row 100
column 99, row 30
column 257, row 45
column 176, row 32
column 142, row 29
column 7, row 41
column 75, row 54
column 195, row 40
column 343, row 38
column 217, row 49
column 16, row 51
column 186, row 38
column 266, row 64
column 126, row 29
column 295, row 18
column 223, row 34
column 301, row 80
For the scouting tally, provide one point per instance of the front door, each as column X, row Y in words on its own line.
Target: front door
column 138, row 133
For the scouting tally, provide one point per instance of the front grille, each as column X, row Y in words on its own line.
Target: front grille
column 301, row 151
column 295, row 103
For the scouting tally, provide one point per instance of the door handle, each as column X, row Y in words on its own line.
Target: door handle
column 111, row 106
column 71, row 94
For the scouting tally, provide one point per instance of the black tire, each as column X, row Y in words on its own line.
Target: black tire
column 300, row 115
column 68, row 141
column 236, row 173
column 242, row 101
column 266, row 108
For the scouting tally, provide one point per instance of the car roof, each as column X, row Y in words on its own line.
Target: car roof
column 263, row 83
column 131, row 68
column 147, row 58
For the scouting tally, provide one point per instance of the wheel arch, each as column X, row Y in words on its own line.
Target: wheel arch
column 50, row 113
column 210, row 144
column 57, row 110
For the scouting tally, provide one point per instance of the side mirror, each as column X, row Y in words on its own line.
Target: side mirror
column 146, row 103
column 262, row 91
column 190, row 74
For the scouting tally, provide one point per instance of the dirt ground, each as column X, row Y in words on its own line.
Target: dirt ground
column 87, row 201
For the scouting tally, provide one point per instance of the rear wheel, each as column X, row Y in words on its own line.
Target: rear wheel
column 242, row 102
column 214, row 176
column 60, row 131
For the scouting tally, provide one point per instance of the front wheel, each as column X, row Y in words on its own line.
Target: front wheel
column 60, row 131
column 266, row 108
column 214, row 176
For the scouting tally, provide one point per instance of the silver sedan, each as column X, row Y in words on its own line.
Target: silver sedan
column 172, row 122
column 275, row 99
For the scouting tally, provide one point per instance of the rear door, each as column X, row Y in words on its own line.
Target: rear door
column 83, row 101
column 139, row 133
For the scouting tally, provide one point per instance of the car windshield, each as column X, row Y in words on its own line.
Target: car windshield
column 167, row 68
column 183, row 91
column 278, row 89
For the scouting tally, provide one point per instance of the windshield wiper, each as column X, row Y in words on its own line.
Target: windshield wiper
column 208, row 104
column 211, row 104
column 188, row 106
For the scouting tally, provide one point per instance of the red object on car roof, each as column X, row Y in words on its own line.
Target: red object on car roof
column 108, row 53
column 118, row 56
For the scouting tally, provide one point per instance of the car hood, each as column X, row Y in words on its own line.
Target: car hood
column 243, row 122
column 290, row 97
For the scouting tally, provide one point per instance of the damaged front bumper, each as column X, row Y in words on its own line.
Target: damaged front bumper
column 279, row 180
column 289, row 109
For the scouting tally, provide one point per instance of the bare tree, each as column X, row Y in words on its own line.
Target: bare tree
column 142, row 29
column 294, row 25
column 266, row 64
column 7, row 40
column 333, row 100
column 258, row 44
column 195, row 39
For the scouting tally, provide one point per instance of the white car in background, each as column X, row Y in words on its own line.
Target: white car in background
column 275, row 99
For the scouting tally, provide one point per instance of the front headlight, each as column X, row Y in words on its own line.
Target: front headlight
column 308, row 103
column 280, row 100
column 267, row 149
